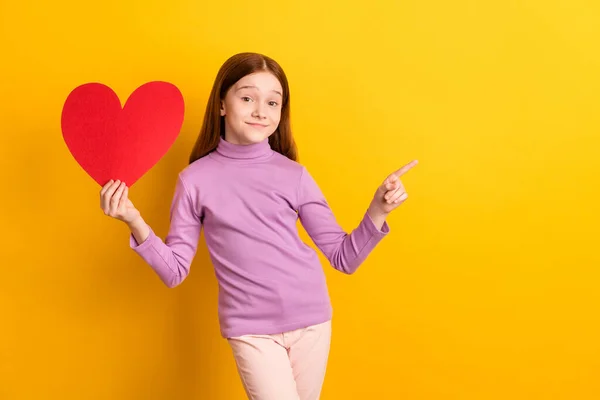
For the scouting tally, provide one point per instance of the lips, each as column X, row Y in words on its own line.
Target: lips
column 257, row 125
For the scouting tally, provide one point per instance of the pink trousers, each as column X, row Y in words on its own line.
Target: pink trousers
column 285, row 366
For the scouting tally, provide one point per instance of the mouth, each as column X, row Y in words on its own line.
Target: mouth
column 257, row 125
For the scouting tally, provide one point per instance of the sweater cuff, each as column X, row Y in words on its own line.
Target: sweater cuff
column 385, row 228
column 140, row 247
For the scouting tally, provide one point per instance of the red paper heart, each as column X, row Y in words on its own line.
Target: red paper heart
column 110, row 142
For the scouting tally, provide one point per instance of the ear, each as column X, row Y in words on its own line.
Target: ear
column 222, row 108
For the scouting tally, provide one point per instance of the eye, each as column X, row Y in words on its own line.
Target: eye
column 246, row 98
column 273, row 103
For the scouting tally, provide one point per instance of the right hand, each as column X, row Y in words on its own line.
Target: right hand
column 114, row 202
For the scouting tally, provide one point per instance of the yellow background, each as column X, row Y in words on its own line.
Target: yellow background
column 488, row 285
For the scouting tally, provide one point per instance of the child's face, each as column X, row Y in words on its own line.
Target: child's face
column 252, row 108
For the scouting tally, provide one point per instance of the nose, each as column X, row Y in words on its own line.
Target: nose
column 259, row 111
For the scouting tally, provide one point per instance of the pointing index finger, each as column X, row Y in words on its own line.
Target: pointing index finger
column 405, row 168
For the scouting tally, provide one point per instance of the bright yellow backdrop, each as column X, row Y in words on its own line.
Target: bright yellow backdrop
column 488, row 285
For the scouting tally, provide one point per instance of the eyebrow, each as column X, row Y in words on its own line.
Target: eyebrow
column 254, row 87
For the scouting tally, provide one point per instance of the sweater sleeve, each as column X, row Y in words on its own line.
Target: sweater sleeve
column 172, row 258
column 345, row 252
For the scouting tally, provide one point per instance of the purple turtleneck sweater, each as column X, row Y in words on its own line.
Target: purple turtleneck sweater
column 248, row 198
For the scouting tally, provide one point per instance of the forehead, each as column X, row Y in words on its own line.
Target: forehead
column 264, row 81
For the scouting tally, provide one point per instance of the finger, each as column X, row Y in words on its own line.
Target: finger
column 123, row 200
column 390, row 193
column 404, row 169
column 111, row 189
column 107, row 196
column 390, row 180
column 116, row 197
column 396, row 196
column 394, row 188
column 388, row 185
column 102, row 192
column 402, row 198
column 393, row 185
column 106, row 186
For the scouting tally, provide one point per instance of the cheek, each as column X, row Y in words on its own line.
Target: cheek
column 276, row 116
column 235, row 114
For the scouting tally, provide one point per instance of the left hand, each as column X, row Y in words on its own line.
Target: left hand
column 391, row 193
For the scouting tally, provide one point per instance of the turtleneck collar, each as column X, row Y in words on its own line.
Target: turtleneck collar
column 249, row 152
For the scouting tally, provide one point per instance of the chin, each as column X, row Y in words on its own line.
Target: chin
column 255, row 136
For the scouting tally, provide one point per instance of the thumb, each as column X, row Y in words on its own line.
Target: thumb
column 385, row 186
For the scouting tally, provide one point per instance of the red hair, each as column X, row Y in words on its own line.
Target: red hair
column 213, row 127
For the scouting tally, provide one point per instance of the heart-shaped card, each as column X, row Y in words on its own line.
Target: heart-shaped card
column 113, row 142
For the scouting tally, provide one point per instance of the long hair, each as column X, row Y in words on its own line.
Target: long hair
column 213, row 127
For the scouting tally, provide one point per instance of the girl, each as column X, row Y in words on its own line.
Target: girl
column 245, row 188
